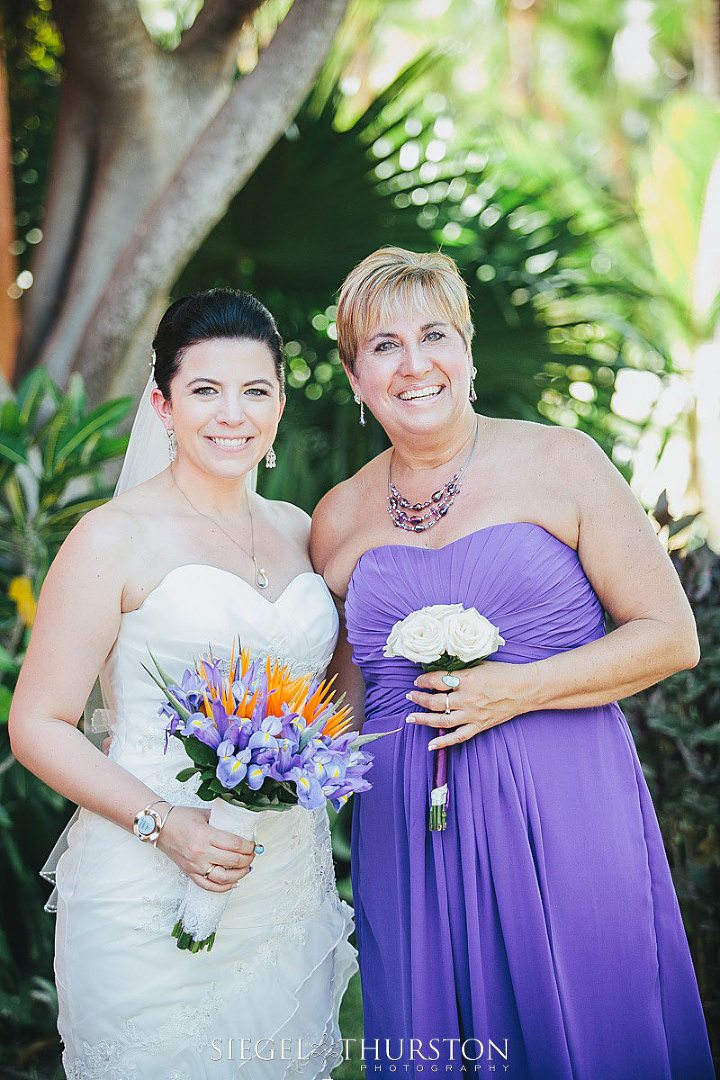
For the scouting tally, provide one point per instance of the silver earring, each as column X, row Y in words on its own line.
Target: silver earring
column 271, row 458
column 172, row 445
column 361, row 403
column 473, row 373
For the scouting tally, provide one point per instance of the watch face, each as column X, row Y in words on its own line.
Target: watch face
column 146, row 825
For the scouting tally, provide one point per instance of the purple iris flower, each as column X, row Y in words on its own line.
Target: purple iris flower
column 309, row 792
column 265, row 757
column 221, row 718
column 285, row 761
column 265, row 734
column 231, row 767
column 244, row 733
column 202, row 728
column 190, row 691
column 255, row 777
column 168, row 711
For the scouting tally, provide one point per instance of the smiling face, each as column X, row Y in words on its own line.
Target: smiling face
column 413, row 370
column 224, row 407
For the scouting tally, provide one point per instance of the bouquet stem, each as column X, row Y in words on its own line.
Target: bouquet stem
column 201, row 910
column 440, row 794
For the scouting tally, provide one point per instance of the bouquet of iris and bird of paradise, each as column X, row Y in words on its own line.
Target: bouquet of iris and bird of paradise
column 260, row 740
column 443, row 637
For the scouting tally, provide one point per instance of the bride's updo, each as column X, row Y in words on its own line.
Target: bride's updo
column 204, row 316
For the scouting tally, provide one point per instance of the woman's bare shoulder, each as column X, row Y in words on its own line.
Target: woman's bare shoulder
column 342, row 512
column 565, row 447
column 291, row 520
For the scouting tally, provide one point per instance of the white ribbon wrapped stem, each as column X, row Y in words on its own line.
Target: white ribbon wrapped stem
column 438, row 796
column 201, row 910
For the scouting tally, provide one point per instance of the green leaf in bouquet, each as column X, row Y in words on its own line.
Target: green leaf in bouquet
column 164, row 683
column 205, row 792
column 185, row 774
column 450, row 663
column 200, row 752
column 310, row 733
column 363, row 739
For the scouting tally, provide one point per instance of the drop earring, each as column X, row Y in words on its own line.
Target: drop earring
column 359, row 401
column 473, row 373
column 172, row 445
column 271, row 458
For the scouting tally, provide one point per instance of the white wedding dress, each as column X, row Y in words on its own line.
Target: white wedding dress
column 263, row 1004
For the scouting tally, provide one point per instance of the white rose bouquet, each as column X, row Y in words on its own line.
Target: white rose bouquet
column 443, row 637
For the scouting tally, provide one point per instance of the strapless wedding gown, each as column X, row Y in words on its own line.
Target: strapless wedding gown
column 263, row 1004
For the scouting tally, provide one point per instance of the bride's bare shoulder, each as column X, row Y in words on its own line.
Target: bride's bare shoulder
column 108, row 533
column 287, row 518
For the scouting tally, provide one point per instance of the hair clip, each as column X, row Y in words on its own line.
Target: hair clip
column 152, row 363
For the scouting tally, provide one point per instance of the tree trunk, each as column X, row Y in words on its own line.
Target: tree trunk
column 151, row 148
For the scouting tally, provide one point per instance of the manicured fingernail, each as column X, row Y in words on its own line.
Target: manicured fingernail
column 410, row 719
column 416, row 681
column 259, row 848
column 409, row 696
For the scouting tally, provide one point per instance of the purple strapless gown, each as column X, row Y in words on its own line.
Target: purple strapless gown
column 541, row 929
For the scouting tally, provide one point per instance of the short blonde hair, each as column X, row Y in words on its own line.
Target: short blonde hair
column 393, row 277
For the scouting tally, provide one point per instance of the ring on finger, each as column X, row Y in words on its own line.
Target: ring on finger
column 451, row 680
column 209, row 870
column 447, row 704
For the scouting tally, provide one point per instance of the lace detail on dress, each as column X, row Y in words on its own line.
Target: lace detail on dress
column 314, row 662
column 159, row 913
column 312, row 833
column 123, row 1058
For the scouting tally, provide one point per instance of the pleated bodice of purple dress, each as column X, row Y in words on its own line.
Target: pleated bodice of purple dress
column 539, row 937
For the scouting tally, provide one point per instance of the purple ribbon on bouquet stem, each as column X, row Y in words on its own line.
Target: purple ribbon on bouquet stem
column 440, row 794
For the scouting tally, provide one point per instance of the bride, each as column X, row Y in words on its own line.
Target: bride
column 188, row 559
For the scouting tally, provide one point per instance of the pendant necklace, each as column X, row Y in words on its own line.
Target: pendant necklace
column 410, row 516
column 261, row 579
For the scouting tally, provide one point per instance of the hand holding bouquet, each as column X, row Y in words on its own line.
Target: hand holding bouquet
column 260, row 740
column 443, row 637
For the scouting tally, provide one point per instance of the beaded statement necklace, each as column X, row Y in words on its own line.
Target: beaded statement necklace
column 417, row 517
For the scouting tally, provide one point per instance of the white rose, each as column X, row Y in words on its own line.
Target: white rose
column 420, row 637
column 470, row 636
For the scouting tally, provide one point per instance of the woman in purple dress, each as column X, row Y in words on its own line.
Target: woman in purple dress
column 539, row 936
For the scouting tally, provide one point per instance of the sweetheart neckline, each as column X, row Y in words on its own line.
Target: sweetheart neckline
column 228, row 573
column 459, row 539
